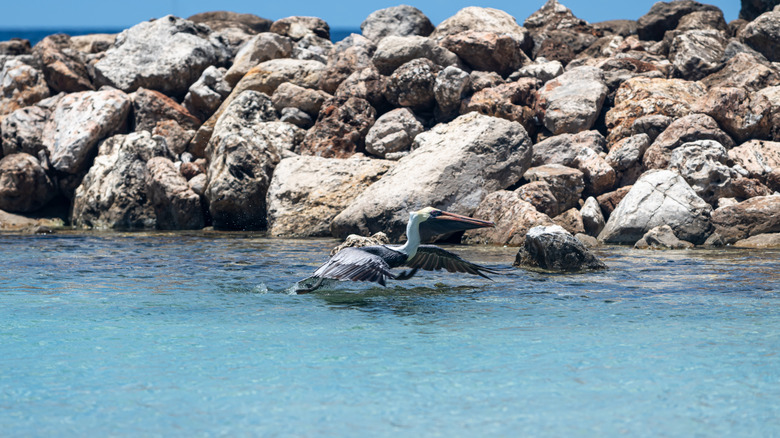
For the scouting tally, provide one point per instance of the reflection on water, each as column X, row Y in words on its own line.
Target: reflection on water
column 180, row 333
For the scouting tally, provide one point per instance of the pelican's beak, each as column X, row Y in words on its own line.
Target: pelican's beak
column 461, row 222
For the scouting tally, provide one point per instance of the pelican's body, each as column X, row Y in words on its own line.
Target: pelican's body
column 373, row 263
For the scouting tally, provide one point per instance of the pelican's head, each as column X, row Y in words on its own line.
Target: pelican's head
column 443, row 222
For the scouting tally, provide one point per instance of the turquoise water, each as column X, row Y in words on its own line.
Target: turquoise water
column 194, row 334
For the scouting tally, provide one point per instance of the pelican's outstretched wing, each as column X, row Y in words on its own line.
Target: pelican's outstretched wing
column 355, row 264
column 431, row 258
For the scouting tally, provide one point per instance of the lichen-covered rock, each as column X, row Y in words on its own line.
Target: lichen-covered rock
column 489, row 51
column 142, row 56
column 306, row 193
column 298, row 27
column 565, row 183
column 411, row 85
column 395, row 51
column 349, row 55
column 152, row 107
column 289, row 95
column 742, row 114
column 661, row 237
column 558, row 34
column 20, row 85
column 754, row 216
column 513, row 101
column 763, row 33
column 592, row 218
column 627, row 152
column 24, row 184
column 341, row 128
column 207, row 93
column 697, row 53
column 544, row 71
column 63, row 67
column 757, row 157
column 659, row 197
column 664, row 16
column 260, row 48
column 686, row 129
column 512, row 216
column 402, row 20
column 703, row 165
column 453, row 166
column 553, row 248
column 176, row 206
column 571, row 102
column 393, row 132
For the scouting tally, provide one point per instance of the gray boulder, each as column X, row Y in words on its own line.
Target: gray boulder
column 411, row 85
column 22, row 130
column 580, row 151
column 686, row 129
column 176, row 205
column 313, row 48
column 393, row 132
column 289, row 95
column 565, row 183
column 479, row 19
column 260, row 48
column 554, row 249
column 661, row 237
column 571, row 102
column 400, row 20
column 763, row 33
column 21, row 84
column 628, row 152
column 759, row 158
column 544, row 71
column 592, row 217
column 394, row 51
column 697, row 53
column 703, row 165
column 207, row 93
column 24, row 184
column 451, row 85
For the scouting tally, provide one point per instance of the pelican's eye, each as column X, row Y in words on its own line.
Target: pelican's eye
column 436, row 213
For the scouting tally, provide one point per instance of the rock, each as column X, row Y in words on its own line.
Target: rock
column 15, row 47
column 666, row 15
column 92, row 43
column 558, row 34
column 571, row 221
column 748, row 218
column 640, row 97
column 24, row 184
column 554, row 249
column 400, row 20
column 297, row 118
column 453, row 166
column 142, row 56
column 411, row 85
column 773, row 95
column 13, row 222
column 703, row 20
column 565, row 183
column 588, row 241
column 757, row 157
column 176, row 206
column 218, row 20
column 489, row 51
column 306, row 193
column 746, row 188
column 652, row 125
column 767, row 240
column 592, row 218
column 661, row 237
column 628, row 152
column 313, row 48
column 762, row 34
column 198, row 184
column 152, row 107
column 21, row 85
column 341, row 128
column 571, row 102
column 540, row 195
column 241, row 161
column 659, row 197
column 485, row 79
column 22, row 130
column 289, row 95
column 355, row 241
column 113, row 192
column 297, row 27
column 744, row 71
column 207, row 93
column 513, row 101
column 609, row 201
column 451, row 85
column 544, row 71
column 580, row 151
column 703, row 165
column 395, row 51
column 773, row 180
column 686, row 129
column 366, row 84
column 176, row 137
column 753, row 8
column 697, row 53
column 742, row 114
column 78, row 122
column 512, row 217
column 63, row 67
column 393, row 132
column 481, row 20
column 260, row 48
column 349, row 55
column 190, row 170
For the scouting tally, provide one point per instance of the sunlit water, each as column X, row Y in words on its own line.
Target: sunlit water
column 195, row 334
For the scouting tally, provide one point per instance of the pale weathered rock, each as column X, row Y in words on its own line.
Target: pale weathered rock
column 742, row 114
column 703, row 165
column 512, row 216
column 544, row 71
column 571, row 102
column 63, row 67
column 24, row 184
column 748, row 218
column 580, row 151
column 592, row 218
column 176, row 206
column 113, row 192
column 22, row 130
column 20, row 85
column 451, row 85
column 307, row 100
column 659, row 197
column 260, row 48
column 14, row 222
column 513, row 101
column 453, row 166
column 313, row 48
column 79, row 122
column 540, row 195
column 664, row 16
column 402, row 20
column 299, row 27
column 92, row 43
column 553, row 248
column 356, row 241
column 393, row 132
column 306, row 193
column 571, row 221
column 661, row 237
column 628, row 152
column 757, row 157
column 198, row 184
column 489, row 51
column 207, row 93
column 686, row 129
column 773, row 95
column 152, row 107
column 746, row 71
column 479, row 19
column 766, row 240
column 218, row 20
column 565, row 183
column 142, row 56
column 341, row 128
column 394, row 51
column 697, row 53
column 763, row 33
column 706, row 19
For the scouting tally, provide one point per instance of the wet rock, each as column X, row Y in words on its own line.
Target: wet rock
column 400, row 20
column 742, row 114
column 661, row 237
column 767, row 240
column 289, row 95
column 512, row 216
column 355, row 241
column 762, row 34
column 543, row 71
column 113, row 192
column 453, row 166
column 580, row 151
column 207, row 93
column 393, row 132
column 142, row 56
column 513, row 101
column 298, row 27
column 411, row 85
column 697, row 53
column 554, row 249
column 592, row 218
column 15, row 47
column 703, row 165
column 489, row 51
column 659, row 197
column 152, row 107
column 451, row 85
column 565, row 183
column 748, row 218
column 176, row 137
column 744, row 71
column 481, row 20
column 366, row 84
column 663, row 16
column 63, row 67
column 22, row 130
column 341, row 128
column 78, row 122
column 349, row 55
column 686, row 129
column 21, row 85
column 313, row 48
column 571, row 221
column 176, row 206
column 571, row 102
column 394, row 51
column 540, row 195
column 306, row 193
column 757, row 157
column 24, row 184
column 260, row 48
column 296, row 117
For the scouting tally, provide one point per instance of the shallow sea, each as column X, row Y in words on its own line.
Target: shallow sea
column 171, row 334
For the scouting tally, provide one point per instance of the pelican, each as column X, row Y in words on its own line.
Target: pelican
column 373, row 263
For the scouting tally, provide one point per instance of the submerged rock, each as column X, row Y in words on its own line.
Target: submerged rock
column 554, row 249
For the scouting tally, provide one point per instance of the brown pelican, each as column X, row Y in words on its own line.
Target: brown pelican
column 373, row 263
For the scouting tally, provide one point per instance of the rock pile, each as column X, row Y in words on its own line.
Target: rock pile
column 663, row 131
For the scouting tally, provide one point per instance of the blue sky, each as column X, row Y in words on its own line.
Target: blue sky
column 64, row 14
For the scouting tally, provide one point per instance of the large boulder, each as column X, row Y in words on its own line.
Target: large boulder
column 565, row 183
column 554, row 249
column 142, row 56
column 79, row 122
column 341, row 128
column 746, row 71
column 753, row 8
column 411, row 85
column 451, row 86
column 393, row 132
column 592, row 217
column 558, row 34
column 400, row 20
column 661, row 237
column 453, row 166
column 313, row 48
column 697, row 53
column 366, row 84
column 218, row 20
column 742, row 114
column 763, row 33
column 22, row 130
column 176, row 205
column 659, row 197
column 474, row 18
column 571, row 102
column 512, row 101
column 63, row 67
column 306, row 193
column 754, row 216
column 308, row 100
column 260, row 48
column 24, row 184
column 512, row 216
column 758, row 158
column 693, row 127
column 395, row 51
column 664, row 16
column 581, row 151
column 20, row 85
column 113, row 192
column 151, row 107
column 703, row 165
column 540, row 195
column 489, row 51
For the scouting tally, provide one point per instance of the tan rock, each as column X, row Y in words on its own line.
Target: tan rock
column 512, row 217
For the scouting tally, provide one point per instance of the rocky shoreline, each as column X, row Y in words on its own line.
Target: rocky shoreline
column 662, row 132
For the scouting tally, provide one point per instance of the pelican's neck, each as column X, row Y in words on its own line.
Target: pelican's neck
column 412, row 236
